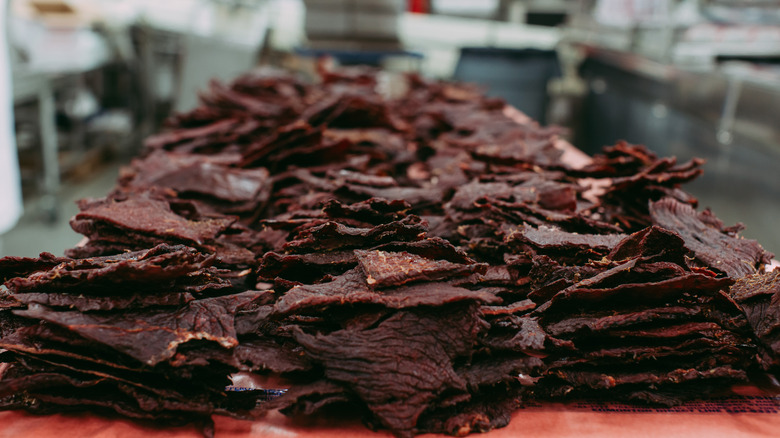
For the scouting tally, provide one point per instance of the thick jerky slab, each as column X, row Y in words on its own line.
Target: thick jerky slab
column 143, row 218
column 153, row 337
column 333, row 235
column 712, row 246
column 352, row 288
column 162, row 264
column 11, row 267
column 403, row 365
column 385, row 269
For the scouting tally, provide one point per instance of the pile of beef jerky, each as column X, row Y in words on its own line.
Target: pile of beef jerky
column 424, row 259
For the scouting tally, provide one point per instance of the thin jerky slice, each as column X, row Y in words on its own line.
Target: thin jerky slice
column 555, row 238
column 85, row 303
column 712, row 246
column 352, row 288
column 152, row 337
column 11, row 267
column 402, row 365
column 144, row 218
column 598, row 380
column 162, row 264
column 385, row 269
column 573, row 324
column 333, row 235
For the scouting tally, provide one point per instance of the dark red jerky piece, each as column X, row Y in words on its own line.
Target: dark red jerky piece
column 308, row 398
column 651, row 241
column 759, row 297
column 410, row 353
column 153, row 336
column 598, row 380
column 352, row 288
column 115, row 220
column 88, row 303
column 492, row 370
column 374, row 211
column 266, row 354
column 622, row 159
column 11, row 267
column 162, row 264
column 333, row 235
column 220, row 182
column 524, row 334
column 573, row 324
column 481, row 413
column 713, row 247
column 418, row 197
column 295, row 134
column 517, row 307
column 673, row 331
column 434, row 248
column 640, row 293
column 171, row 138
column 674, row 351
column 384, row 269
column 555, row 238
column 306, row 268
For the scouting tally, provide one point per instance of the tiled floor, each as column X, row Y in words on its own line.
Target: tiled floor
column 33, row 234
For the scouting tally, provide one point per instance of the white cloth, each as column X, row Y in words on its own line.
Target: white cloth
column 10, row 183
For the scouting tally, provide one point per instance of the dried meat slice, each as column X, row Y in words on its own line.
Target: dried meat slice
column 158, row 267
column 333, row 235
column 712, row 247
column 154, row 336
column 352, row 288
column 385, row 269
column 403, row 365
column 144, row 219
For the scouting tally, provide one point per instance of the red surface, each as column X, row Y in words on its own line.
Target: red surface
column 551, row 421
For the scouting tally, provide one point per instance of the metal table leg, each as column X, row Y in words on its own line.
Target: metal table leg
column 51, row 166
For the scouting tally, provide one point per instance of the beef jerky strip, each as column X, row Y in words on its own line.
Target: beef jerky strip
column 153, row 337
column 573, row 324
column 333, row 235
column 712, row 246
column 11, row 267
column 384, row 269
column 144, row 217
column 162, row 264
column 352, row 288
column 403, row 365
column 546, row 237
column 598, row 380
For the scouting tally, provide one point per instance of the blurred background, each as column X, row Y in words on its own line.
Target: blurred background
column 92, row 78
